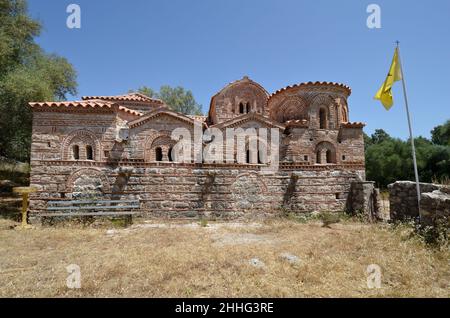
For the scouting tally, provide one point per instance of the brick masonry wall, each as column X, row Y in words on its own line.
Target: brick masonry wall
column 77, row 152
column 171, row 190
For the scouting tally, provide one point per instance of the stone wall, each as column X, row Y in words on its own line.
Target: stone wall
column 190, row 191
column 102, row 147
column 403, row 199
column 435, row 207
column 364, row 199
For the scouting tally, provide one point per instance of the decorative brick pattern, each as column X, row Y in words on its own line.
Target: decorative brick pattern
column 124, row 145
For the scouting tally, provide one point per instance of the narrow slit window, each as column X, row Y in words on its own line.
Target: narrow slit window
column 89, row 153
column 329, row 157
column 241, row 108
column 158, row 154
column 323, row 119
column 76, row 152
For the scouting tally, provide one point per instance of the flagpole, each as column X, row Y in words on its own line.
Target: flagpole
column 416, row 173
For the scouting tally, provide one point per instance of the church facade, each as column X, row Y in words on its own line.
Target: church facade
column 124, row 147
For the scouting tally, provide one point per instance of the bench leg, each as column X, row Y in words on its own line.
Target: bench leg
column 128, row 220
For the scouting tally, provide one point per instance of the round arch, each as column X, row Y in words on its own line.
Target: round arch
column 324, row 101
column 325, row 153
column 161, row 140
column 291, row 108
column 81, row 138
column 89, row 175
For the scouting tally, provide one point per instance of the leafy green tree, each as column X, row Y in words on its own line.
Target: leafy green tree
column 17, row 31
column 367, row 140
column 437, row 166
column 379, row 136
column 440, row 135
column 180, row 100
column 177, row 98
column 26, row 74
column 144, row 90
column 389, row 159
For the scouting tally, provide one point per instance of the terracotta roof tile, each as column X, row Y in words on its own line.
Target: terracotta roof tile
column 85, row 104
column 159, row 112
column 348, row 89
column 130, row 111
column 297, row 123
column 132, row 97
column 198, row 117
column 353, row 125
column 250, row 116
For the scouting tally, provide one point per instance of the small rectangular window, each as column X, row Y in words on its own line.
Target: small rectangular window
column 305, row 158
column 343, row 158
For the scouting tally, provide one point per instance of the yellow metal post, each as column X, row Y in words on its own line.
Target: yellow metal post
column 24, row 209
column 24, row 191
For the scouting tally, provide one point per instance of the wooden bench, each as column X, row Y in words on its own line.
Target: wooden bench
column 92, row 208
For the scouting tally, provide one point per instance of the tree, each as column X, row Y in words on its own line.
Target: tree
column 147, row 91
column 26, row 74
column 379, row 136
column 177, row 98
column 440, row 135
column 389, row 159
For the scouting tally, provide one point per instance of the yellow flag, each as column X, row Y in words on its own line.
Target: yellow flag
column 384, row 94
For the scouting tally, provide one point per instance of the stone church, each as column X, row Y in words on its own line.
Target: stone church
column 121, row 147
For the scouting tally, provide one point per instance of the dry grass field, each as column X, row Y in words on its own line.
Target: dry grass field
column 213, row 260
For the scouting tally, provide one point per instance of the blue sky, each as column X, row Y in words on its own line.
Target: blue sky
column 204, row 44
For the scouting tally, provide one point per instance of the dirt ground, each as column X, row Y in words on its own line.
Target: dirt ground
column 193, row 259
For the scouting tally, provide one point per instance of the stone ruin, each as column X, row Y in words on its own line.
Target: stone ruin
column 434, row 202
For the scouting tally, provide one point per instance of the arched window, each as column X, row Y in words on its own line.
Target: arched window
column 75, row 146
column 329, row 156
column 247, row 157
column 241, row 108
column 248, row 108
column 89, row 153
column 318, row 156
column 323, row 119
column 170, row 154
column 326, row 153
column 260, row 157
column 76, row 152
column 158, row 154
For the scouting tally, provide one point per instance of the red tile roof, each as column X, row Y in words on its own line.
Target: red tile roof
column 85, row 104
column 198, row 117
column 345, row 87
column 297, row 123
column 131, row 97
column 249, row 116
column 160, row 112
column 353, row 125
